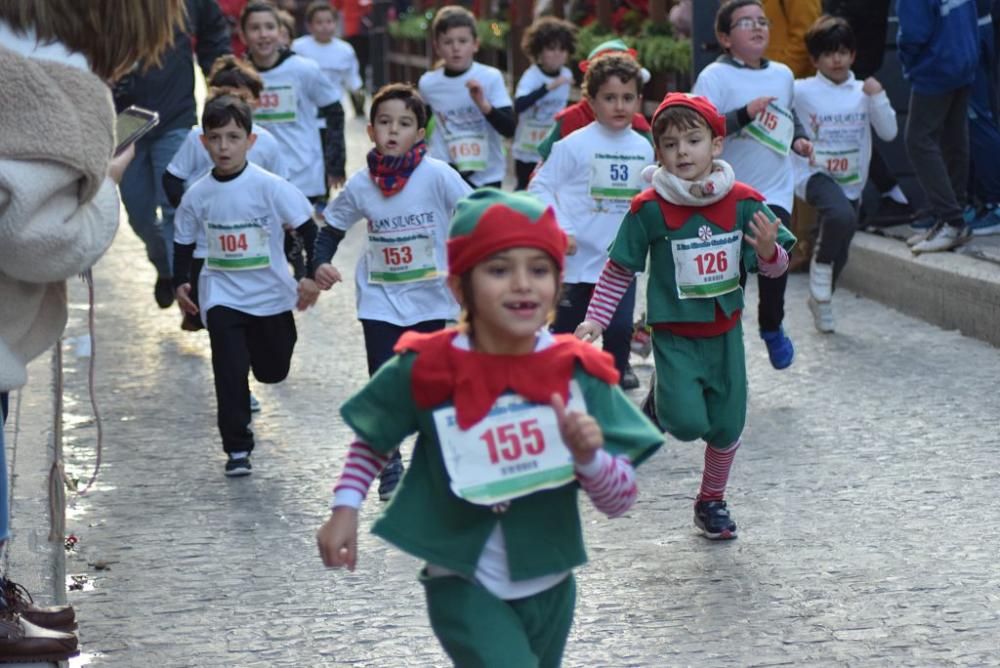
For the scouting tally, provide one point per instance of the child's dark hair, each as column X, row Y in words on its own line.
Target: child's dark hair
column 680, row 118
column 400, row 91
column 257, row 6
column 229, row 73
column 609, row 65
column 548, row 32
column 453, row 16
column 724, row 17
column 319, row 6
column 829, row 34
column 224, row 108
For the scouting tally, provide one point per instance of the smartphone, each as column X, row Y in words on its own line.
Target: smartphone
column 132, row 124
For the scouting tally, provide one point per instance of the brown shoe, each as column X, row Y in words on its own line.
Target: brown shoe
column 22, row 641
column 56, row 617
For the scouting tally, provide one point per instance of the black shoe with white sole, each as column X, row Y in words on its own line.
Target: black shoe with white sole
column 238, row 466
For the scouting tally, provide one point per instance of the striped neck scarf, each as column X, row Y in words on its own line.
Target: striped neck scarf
column 390, row 173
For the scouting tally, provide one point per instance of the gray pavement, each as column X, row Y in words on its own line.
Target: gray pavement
column 863, row 491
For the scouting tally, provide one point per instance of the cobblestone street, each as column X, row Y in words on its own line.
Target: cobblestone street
column 863, row 492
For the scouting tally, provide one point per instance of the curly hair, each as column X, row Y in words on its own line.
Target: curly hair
column 609, row 65
column 548, row 32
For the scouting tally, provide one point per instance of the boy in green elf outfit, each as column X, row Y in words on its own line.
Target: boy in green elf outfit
column 699, row 227
column 511, row 422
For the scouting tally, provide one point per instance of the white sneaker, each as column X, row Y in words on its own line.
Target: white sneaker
column 820, row 281
column 943, row 237
column 822, row 315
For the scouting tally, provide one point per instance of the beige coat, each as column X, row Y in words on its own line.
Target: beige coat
column 58, row 210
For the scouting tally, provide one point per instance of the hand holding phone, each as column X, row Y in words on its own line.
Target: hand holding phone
column 132, row 124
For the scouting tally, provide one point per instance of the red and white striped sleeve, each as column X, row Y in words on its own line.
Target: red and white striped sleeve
column 360, row 469
column 608, row 292
column 776, row 266
column 609, row 482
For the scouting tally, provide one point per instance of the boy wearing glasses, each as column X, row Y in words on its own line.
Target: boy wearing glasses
column 756, row 96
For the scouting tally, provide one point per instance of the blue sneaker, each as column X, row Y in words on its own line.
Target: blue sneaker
column 714, row 521
column 779, row 348
column 988, row 223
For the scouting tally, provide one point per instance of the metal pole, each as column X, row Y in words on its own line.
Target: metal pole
column 378, row 44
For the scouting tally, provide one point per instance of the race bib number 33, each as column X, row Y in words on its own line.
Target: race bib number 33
column 514, row 451
column 277, row 105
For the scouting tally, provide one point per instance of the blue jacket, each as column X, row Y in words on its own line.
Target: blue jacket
column 938, row 44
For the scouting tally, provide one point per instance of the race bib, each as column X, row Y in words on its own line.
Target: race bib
column 773, row 128
column 843, row 165
column 708, row 266
column 237, row 246
column 514, row 451
column 531, row 133
column 468, row 151
column 401, row 259
column 277, row 105
column 616, row 176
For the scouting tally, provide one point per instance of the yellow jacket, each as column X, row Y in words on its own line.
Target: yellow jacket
column 790, row 20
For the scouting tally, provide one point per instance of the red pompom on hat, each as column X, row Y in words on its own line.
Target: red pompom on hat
column 490, row 220
column 707, row 110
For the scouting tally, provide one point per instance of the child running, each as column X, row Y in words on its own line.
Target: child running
column 237, row 217
column 511, row 421
column 841, row 112
column 407, row 198
column 698, row 226
column 756, row 95
column 589, row 179
column 543, row 90
column 295, row 93
column 471, row 108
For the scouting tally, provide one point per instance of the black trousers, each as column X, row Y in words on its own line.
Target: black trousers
column 240, row 343
column 523, row 171
column 381, row 338
column 771, row 304
column 838, row 219
column 617, row 338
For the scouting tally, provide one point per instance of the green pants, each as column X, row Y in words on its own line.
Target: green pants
column 701, row 386
column 479, row 630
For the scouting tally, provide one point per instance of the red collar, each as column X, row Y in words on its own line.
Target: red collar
column 581, row 115
column 721, row 214
column 473, row 381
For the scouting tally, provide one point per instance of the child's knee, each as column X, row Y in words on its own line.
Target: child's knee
column 680, row 421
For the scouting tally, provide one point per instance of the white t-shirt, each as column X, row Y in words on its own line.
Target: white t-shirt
column 191, row 162
column 407, row 234
column 534, row 123
column 838, row 119
column 336, row 58
column 730, row 87
column 462, row 136
column 294, row 90
column 239, row 227
column 577, row 182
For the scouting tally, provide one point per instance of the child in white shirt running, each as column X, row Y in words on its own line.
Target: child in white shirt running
column 841, row 113
column 543, row 90
column 237, row 216
column 407, row 197
column 471, row 108
column 589, row 179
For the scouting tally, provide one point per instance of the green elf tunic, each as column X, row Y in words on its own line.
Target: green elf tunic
column 694, row 302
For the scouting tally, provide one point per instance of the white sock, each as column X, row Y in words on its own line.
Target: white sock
column 897, row 195
column 239, row 455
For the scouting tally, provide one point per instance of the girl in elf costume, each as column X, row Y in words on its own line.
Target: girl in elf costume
column 511, row 422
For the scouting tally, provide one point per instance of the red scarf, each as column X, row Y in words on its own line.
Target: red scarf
column 390, row 173
column 474, row 381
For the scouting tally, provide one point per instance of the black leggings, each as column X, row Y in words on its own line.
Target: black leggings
column 617, row 337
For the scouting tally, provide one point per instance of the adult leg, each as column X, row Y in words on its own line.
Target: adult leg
column 955, row 146
column 923, row 136
column 162, row 151
column 227, row 331
column 138, row 193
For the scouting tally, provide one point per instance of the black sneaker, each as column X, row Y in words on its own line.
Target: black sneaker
column 238, row 467
column 163, row 292
column 712, row 517
column 629, row 380
column 648, row 406
column 889, row 213
column 390, row 476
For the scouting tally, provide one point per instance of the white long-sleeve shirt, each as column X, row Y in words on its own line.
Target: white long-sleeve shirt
column 839, row 119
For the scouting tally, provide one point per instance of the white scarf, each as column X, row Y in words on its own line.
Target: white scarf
column 693, row 193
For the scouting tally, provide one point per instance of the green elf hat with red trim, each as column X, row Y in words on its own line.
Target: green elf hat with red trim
column 490, row 220
column 707, row 110
column 614, row 46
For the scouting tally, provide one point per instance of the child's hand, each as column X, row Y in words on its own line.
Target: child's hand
column 570, row 244
column 337, row 539
column 588, row 330
column 478, row 96
column 580, row 432
column 326, row 276
column 803, row 147
column 183, row 295
column 754, row 107
column 871, row 86
column 558, row 81
column 308, row 294
column 335, row 182
column 765, row 234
